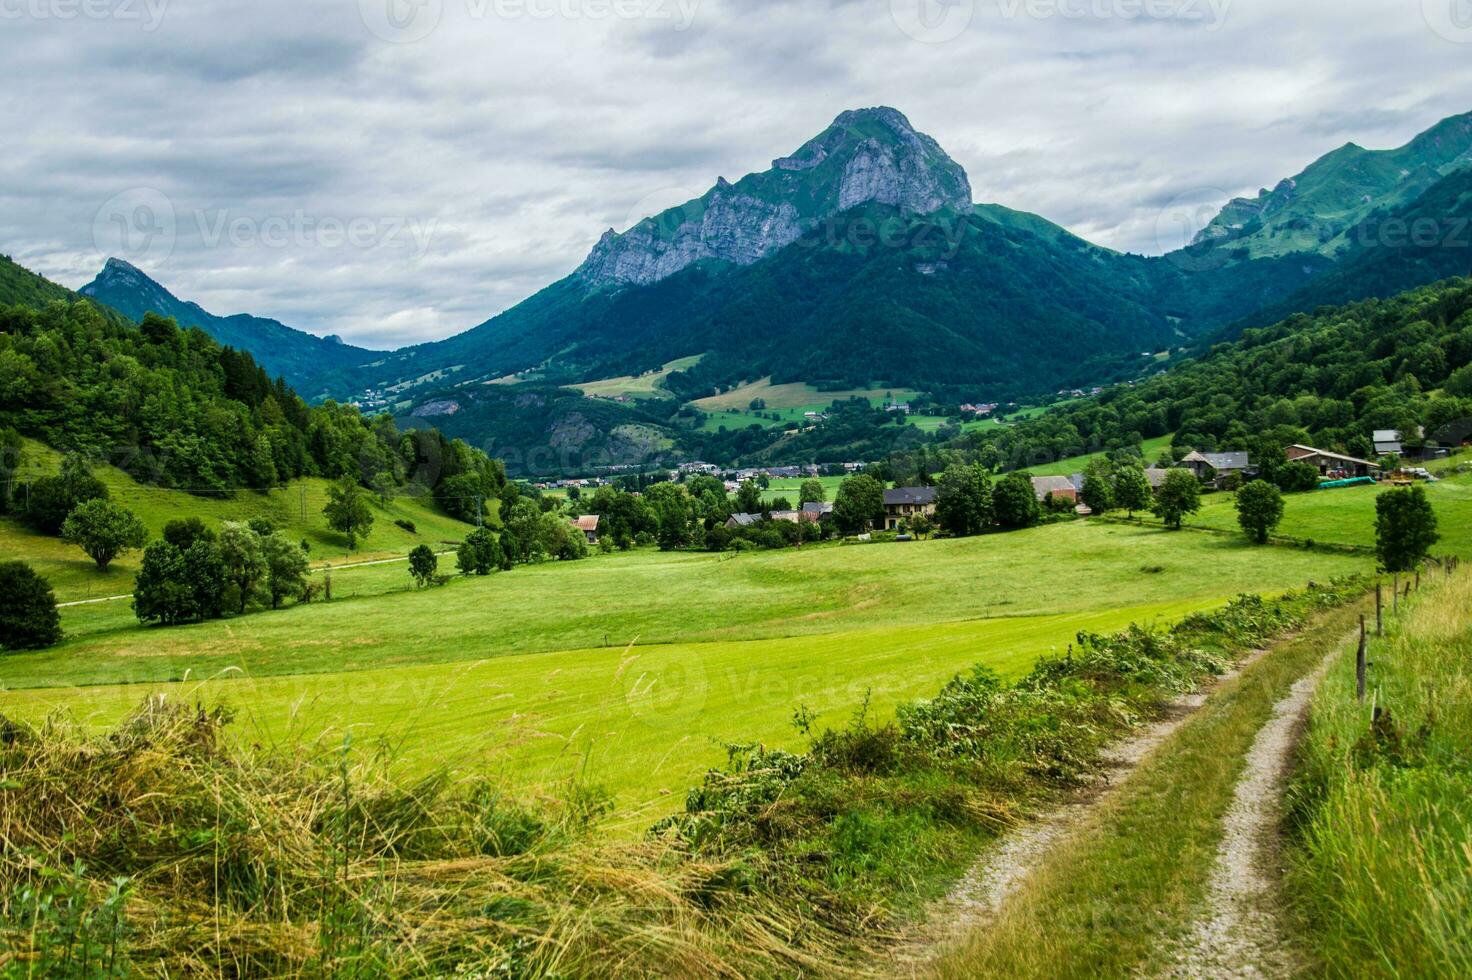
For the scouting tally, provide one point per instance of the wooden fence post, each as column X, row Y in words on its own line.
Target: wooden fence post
column 1395, row 593
column 1361, row 662
column 1379, row 608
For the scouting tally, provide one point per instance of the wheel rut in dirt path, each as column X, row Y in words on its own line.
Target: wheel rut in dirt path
column 1239, row 934
column 980, row 893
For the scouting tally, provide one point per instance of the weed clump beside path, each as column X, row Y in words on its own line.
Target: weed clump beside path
column 166, row 848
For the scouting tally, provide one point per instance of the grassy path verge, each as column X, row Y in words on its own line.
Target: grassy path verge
column 1380, row 832
column 1113, row 899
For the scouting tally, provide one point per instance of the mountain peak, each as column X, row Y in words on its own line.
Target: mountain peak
column 890, row 117
column 867, row 156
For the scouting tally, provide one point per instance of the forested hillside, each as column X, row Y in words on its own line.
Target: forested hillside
column 174, row 408
column 1329, row 379
column 20, row 286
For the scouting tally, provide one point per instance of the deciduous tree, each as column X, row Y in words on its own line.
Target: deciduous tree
column 1259, row 510
column 1015, row 502
column 286, row 568
column 1131, row 489
column 1178, row 498
column 963, row 500
column 1405, row 528
column 348, row 511
column 859, row 504
column 423, row 563
column 104, row 530
column 244, row 558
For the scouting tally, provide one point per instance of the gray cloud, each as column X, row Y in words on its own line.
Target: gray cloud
column 511, row 142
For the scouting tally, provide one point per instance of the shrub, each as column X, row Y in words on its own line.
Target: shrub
column 406, row 526
column 1296, row 477
column 28, row 616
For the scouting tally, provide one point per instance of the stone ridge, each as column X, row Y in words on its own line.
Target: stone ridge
column 866, row 156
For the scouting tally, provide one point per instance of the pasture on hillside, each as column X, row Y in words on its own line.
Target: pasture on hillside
column 295, row 509
column 631, row 671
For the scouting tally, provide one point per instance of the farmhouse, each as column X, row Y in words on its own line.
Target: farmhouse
column 1332, row 464
column 1156, row 476
column 818, row 511
column 744, row 520
column 1218, row 466
column 1061, row 488
column 904, row 502
column 588, row 524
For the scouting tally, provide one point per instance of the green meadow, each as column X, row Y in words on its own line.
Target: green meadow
column 632, row 670
column 1347, row 515
column 295, row 509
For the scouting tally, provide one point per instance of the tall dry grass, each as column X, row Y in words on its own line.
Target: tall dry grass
column 165, row 850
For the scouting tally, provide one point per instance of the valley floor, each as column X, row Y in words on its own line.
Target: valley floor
column 633, row 671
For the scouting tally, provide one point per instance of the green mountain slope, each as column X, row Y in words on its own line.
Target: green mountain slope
column 307, row 362
column 1329, row 379
column 1312, row 211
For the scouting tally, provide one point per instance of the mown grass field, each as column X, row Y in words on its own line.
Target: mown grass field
column 632, row 670
column 1347, row 516
column 295, row 509
column 795, row 395
column 637, row 386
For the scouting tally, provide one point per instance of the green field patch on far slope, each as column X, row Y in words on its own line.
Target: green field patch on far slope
column 648, row 385
column 794, row 395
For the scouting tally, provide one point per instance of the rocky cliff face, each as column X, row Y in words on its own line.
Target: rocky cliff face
column 866, row 156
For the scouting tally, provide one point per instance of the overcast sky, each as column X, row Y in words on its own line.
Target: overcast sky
column 399, row 170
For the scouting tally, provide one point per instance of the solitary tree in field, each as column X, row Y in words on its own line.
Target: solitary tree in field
column 1405, row 528
column 1259, row 509
column 811, row 492
column 423, row 563
column 28, row 616
column 104, row 530
column 1179, row 497
column 860, row 502
column 1131, row 489
column 347, row 510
